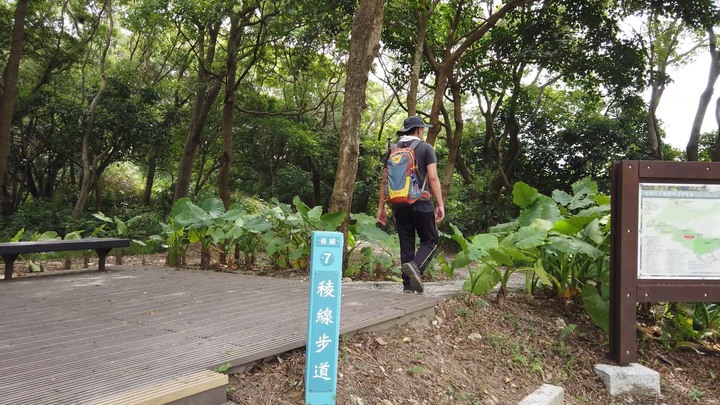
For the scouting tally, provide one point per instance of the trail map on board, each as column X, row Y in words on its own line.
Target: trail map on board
column 679, row 231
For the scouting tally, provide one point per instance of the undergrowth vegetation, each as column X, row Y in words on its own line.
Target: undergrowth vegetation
column 561, row 243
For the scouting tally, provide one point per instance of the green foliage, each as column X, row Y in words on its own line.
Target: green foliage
column 561, row 242
column 685, row 324
column 377, row 247
column 282, row 232
column 288, row 244
column 122, row 229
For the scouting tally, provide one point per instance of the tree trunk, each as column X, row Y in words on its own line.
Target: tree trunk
column 10, row 83
column 364, row 45
column 454, row 142
column 692, row 147
column 152, row 168
column 440, row 83
column 204, row 98
column 454, row 51
column 716, row 150
column 653, row 136
column 227, row 116
column 90, row 167
column 423, row 18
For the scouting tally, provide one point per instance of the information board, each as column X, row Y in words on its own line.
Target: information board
column 679, row 232
column 323, row 318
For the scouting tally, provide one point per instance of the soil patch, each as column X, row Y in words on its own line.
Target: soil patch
column 475, row 352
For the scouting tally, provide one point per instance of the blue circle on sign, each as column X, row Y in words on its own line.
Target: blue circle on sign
column 327, row 258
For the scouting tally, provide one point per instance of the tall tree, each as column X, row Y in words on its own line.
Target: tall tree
column 9, row 90
column 663, row 38
column 238, row 21
column 459, row 38
column 364, row 46
column 692, row 147
column 422, row 13
column 91, row 164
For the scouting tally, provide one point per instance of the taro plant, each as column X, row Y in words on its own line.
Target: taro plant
column 248, row 238
column 173, row 237
column 121, row 231
column 376, row 246
column 288, row 243
column 561, row 242
column 203, row 223
column 226, row 229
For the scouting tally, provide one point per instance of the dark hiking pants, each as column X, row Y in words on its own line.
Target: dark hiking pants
column 409, row 223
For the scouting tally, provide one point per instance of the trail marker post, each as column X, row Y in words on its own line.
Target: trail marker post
column 326, row 255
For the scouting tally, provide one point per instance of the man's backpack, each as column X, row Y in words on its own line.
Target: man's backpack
column 403, row 184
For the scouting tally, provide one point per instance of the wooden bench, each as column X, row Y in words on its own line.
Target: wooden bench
column 10, row 251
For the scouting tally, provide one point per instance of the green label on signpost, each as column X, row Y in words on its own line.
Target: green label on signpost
column 323, row 318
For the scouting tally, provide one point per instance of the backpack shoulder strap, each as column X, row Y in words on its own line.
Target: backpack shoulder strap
column 414, row 143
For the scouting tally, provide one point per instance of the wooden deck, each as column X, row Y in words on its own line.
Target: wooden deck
column 91, row 337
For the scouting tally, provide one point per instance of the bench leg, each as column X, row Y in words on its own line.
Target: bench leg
column 9, row 261
column 102, row 254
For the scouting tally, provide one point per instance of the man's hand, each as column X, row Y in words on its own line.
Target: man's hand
column 439, row 214
column 382, row 215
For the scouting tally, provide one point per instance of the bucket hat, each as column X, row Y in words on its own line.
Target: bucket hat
column 413, row 122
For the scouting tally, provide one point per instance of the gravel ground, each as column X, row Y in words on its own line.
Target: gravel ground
column 443, row 288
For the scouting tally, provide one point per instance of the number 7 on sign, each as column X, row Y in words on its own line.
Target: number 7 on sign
column 326, row 258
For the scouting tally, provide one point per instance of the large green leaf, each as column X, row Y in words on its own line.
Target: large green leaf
column 595, row 211
column 529, row 237
column 572, row 225
column 482, row 243
column 120, row 226
column 504, row 228
column 481, row 280
column 584, row 192
column 594, row 232
column 234, row 215
column 596, row 307
column 460, row 239
column 214, row 207
column 300, row 206
column 501, row 257
column 562, row 197
column 179, row 206
column 571, row 245
column 102, row 217
column 510, row 256
column 461, row 260
column 217, row 235
column 332, row 220
column 524, row 195
column 193, row 216
column 543, row 208
column 257, row 224
column 602, row 199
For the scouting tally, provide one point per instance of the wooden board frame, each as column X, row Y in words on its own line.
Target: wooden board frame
column 626, row 290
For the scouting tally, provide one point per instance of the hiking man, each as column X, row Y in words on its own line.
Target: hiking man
column 413, row 213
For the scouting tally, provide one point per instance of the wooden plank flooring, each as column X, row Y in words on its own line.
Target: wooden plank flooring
column 83, row 338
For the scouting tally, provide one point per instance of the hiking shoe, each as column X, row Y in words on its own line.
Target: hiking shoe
column 411, row 271
column 409, row 291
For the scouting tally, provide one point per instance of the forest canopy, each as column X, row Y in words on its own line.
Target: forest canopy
column 130, row 105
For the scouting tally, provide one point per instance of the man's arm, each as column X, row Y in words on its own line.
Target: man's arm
column 435, row 189
column 381, row 214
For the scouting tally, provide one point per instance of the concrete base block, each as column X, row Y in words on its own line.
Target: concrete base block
column 545, row 395
column 634, row 379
